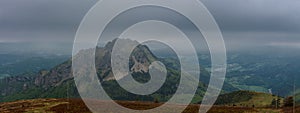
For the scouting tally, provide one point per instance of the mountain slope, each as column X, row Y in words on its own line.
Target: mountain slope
column 297, row 98
column 77, row 105
column 247, row 99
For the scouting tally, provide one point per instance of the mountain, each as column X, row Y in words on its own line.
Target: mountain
column 58, row 82
column 248, row 99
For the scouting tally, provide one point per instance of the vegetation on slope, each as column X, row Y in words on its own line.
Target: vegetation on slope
column 248, row 99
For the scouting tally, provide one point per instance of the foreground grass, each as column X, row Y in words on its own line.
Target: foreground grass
column 78, row 106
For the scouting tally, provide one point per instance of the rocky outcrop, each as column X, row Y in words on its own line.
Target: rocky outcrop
column 14, row 84
column 54, row 76
column 140, row 61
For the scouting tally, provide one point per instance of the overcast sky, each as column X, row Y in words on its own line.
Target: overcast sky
column 244, row 23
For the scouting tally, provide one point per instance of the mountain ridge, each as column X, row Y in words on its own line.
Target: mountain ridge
column 58, row 82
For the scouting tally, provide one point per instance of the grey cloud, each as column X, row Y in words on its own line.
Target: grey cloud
column 243, row 22
column 27, row 19
column 256, row 15
column 254, row 24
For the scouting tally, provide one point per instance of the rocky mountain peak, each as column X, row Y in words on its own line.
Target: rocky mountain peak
column 139, row 61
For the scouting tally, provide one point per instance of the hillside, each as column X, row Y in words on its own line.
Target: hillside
column 77, row 105
column 73, row 105
column 297, row 99
column 247, row 99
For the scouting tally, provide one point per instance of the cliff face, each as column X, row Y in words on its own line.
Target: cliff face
column 14, row 84
column 55, row 76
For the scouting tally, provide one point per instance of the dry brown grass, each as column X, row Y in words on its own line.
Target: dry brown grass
column 78, row 106
column 290, row 110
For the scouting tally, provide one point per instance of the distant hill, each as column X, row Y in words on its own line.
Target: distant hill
column 18, row 64
column 247, row 99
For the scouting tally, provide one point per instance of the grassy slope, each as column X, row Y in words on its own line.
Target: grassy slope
column 297, row 99
column 246, row 98
column 77, row 106
column 67, row 89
